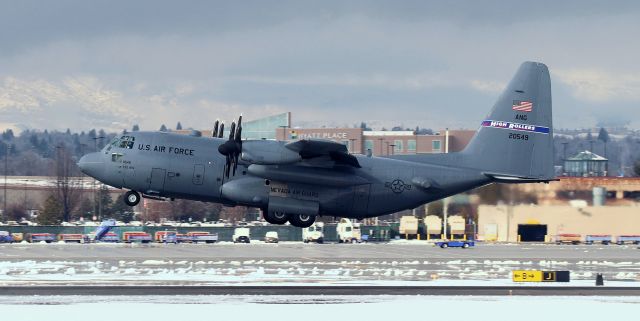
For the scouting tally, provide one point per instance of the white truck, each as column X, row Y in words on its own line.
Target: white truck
column 313, row 233
column 348, row 232
column 241, row 235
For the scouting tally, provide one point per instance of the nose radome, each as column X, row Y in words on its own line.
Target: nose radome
column 92, row 164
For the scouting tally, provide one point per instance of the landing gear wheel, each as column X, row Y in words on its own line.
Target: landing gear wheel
column 302, row 220
column 131, row 198
column 275, row 218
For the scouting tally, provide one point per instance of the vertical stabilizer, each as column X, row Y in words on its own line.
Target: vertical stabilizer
column 515, row 141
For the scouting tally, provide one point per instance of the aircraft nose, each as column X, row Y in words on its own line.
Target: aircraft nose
column 92, row 164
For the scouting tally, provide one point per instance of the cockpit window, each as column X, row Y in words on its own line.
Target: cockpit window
column 114, row 143
column 127, row 142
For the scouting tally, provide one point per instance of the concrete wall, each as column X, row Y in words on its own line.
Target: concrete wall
column 613, row 220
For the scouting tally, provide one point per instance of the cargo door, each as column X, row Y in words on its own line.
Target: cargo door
column 156, row 184
column 361, row 199
column 198, row 174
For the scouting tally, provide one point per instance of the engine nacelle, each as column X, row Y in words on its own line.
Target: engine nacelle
column 268, row 152
column 246, row 190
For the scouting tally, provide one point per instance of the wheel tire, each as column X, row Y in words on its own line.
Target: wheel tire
column 302, row 220
column 275, row 218
column 131, row 198
column 465, row 245
column 444, row 245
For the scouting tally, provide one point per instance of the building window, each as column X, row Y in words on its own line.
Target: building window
column 435, row 145
column 368, row 145
column 398, row 148
column 411, row 145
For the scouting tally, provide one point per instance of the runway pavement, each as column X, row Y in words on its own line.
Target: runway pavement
column 296, row 262
column 299, row 250
column 318, row 290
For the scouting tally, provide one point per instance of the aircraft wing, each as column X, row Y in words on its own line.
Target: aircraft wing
column 310, row 149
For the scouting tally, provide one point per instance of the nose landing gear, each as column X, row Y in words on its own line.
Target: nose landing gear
column 131, row 198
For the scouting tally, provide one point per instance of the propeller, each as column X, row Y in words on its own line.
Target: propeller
column 232, row 148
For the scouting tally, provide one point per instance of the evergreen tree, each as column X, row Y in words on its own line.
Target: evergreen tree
column 163, row 128
column 7, row 134
column 135, row 128
column 179, row 126
column 603, row 136
column 51, row 213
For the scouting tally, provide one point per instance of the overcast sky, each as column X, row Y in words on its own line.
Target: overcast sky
column 112, row 64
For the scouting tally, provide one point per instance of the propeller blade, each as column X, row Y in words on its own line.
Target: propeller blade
column 215, row 129
column 232, row 131
column 235, row 163
column 221, row 133
column 239, row 128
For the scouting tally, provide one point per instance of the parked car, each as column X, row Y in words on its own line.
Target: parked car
column 5, row 237
column 271, row 237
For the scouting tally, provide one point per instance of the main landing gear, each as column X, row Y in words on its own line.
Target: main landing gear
column 297, row 220
column 131, row 198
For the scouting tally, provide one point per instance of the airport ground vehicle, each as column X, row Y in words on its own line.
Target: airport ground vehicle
column 604, row 239
column 5, row 237
column 408, row 226
column 71, row 238
column 142, row 237
column 205, row 237
column 348, row 232
column 568, row 238
column 166, row 237
column 241, row 235
column 41, row 237
column 455, row 243
column 271, row 237
column 622, row 239
column 313, row 233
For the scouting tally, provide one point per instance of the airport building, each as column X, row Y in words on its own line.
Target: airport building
column 535, row 223
column 357, row 140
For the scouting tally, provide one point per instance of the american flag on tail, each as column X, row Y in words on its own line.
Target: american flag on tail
column 523, row 105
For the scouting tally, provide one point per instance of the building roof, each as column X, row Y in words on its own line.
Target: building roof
column 586, row 155
column 388, row 133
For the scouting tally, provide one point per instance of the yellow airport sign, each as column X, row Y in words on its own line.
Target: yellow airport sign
column 527, row 276
column 540, row 276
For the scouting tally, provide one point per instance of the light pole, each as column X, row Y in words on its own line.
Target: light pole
column 6, row 163
column 96, row 208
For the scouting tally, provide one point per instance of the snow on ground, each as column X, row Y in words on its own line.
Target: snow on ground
column 310, row 308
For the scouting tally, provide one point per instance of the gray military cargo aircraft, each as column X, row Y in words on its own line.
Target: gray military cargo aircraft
column 298, row 181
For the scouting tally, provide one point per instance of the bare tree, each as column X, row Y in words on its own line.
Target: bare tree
column 67, row 183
